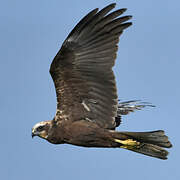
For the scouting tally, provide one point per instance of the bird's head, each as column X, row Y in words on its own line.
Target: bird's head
column 41, row 129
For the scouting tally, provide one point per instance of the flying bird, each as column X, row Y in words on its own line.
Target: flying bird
column 88, row 110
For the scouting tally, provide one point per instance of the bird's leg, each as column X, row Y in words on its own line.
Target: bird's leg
column 127, row 143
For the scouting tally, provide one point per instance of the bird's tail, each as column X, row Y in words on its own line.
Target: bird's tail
column 148, row 143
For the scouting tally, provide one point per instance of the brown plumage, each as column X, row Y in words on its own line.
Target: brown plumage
column 87, row 105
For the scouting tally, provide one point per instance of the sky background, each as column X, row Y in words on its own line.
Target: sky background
column 147, row 68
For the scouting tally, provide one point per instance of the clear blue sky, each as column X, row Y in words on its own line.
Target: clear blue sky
column 147, row 68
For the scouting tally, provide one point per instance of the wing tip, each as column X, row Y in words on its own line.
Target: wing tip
column 112, row 5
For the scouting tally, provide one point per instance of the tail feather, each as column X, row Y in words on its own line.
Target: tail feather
column 147, row 143
column 151, row 150
column 153, row 137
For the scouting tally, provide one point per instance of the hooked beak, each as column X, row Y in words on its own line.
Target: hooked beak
column 33, row 133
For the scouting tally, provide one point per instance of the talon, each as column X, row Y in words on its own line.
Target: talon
column 128, row 142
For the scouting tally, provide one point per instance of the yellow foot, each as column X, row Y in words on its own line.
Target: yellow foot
column 127, row 144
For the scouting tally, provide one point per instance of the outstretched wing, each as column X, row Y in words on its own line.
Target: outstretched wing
column 82, row 69
column 127, row 107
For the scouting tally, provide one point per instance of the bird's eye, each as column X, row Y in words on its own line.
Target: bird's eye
column 40, row 128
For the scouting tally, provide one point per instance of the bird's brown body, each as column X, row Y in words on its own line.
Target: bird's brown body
column 82, row 133
column 88, row 111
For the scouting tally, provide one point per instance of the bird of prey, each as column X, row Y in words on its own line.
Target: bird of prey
column 88, row 110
